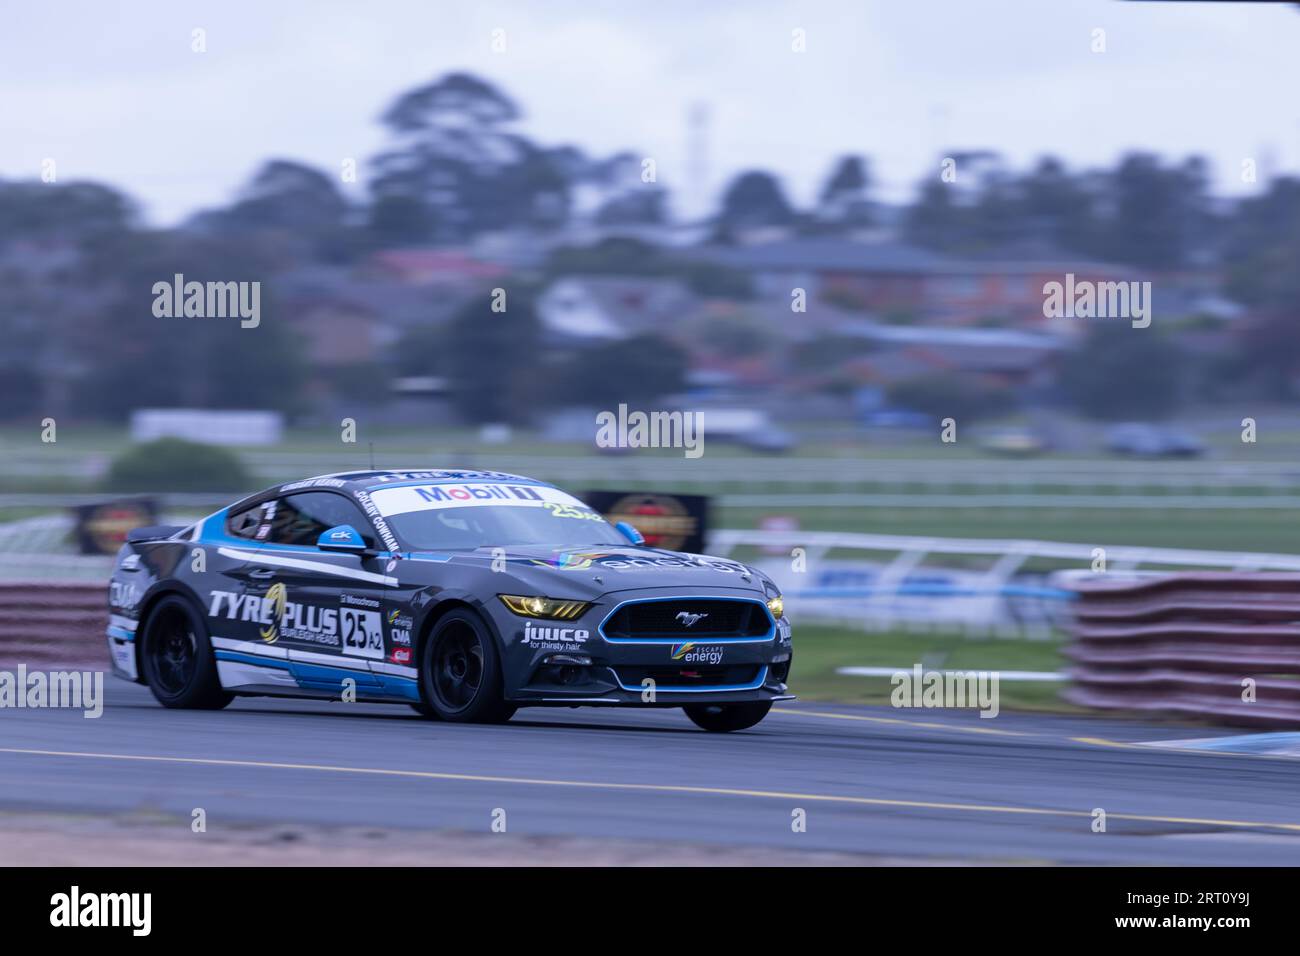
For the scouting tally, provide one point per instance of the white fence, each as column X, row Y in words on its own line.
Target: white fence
column 978, row 586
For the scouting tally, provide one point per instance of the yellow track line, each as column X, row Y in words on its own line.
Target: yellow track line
column 923, row 724
column 1087, row 741
column 667, row 788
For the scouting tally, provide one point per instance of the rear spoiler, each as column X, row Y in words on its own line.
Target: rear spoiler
column 153, row 532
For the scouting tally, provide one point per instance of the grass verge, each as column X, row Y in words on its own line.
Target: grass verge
column 819, row 651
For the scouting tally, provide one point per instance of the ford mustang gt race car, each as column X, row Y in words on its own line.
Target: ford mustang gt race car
column 466, row 594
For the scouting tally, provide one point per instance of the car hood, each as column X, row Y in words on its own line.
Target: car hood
column 590, row 572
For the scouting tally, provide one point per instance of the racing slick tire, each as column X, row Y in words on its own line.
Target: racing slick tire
column 724, row 718
column 176, row 658
column 460, row 671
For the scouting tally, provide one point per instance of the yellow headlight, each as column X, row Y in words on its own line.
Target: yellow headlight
column 544, row 607
column 777, row 606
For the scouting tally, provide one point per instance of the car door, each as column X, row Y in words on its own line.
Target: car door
column 233, row 586
column 328, row 605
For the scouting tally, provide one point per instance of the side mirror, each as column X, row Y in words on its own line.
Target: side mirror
column 344, row 538
column 630, row 532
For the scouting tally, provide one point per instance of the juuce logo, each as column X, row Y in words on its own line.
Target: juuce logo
column 75, row 909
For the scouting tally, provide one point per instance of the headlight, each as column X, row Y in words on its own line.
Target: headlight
column 777, row 606
column 553, row 608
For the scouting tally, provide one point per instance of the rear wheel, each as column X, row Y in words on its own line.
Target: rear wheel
column 176, row 657
column 723, row 718
column 460, row 672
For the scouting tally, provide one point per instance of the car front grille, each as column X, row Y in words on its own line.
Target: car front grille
column 736, row 675
column 691, row 618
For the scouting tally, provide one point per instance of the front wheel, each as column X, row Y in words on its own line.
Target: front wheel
column 460, row 672
column 177, row 660
column 723, row 718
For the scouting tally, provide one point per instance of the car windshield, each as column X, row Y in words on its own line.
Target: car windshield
column 443, row 517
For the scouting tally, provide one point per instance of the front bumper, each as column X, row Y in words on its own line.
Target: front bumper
column 580, row 662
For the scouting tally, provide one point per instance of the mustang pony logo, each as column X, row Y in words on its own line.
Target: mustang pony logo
column 689, row 618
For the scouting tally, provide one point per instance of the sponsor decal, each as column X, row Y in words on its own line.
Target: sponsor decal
column 582, row 560
column 543, row 638
column 277, row 598
column 355, row 631
column 460, row 494
column 313, row 483
column 570, row 560
column 692, row 653
column 377, row 520
column 405, row 499
column 446, row 475
column 671, row 522
column 401, row 655
column 123, row 594
column 102, row 528
column 690, row 618
column 362, row 632
column 783, row 631
column 399, row 627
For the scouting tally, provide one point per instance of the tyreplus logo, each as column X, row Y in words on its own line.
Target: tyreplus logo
column 277, row 617
column 692, row 653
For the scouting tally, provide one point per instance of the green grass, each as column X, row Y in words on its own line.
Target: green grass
column 1213, row 529
column 818, row 651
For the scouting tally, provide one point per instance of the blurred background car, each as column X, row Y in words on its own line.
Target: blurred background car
column 1153, row 441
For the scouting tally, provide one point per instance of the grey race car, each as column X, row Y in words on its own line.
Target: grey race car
column 467, row 594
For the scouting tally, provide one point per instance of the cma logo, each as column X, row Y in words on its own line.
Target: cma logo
column 689, row 618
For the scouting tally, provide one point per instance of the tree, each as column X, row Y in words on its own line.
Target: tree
column 133, row 358
column 1119, row 372
column 458, row 161
column 943, row 395
column 491, row 360
column 843, row 198
column 1158, row 212
column 75, row 211
column 637, row 370
column 290, row 196
column 753, row 199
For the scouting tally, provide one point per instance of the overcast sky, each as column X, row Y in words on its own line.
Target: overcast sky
column 113, row 91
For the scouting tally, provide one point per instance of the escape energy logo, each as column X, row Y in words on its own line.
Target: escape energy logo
column 691, row 653
column 921, row 688
column 67, row 690
column 624, row 429
column 74, row 909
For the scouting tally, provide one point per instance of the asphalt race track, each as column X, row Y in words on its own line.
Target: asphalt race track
column 899, row 784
